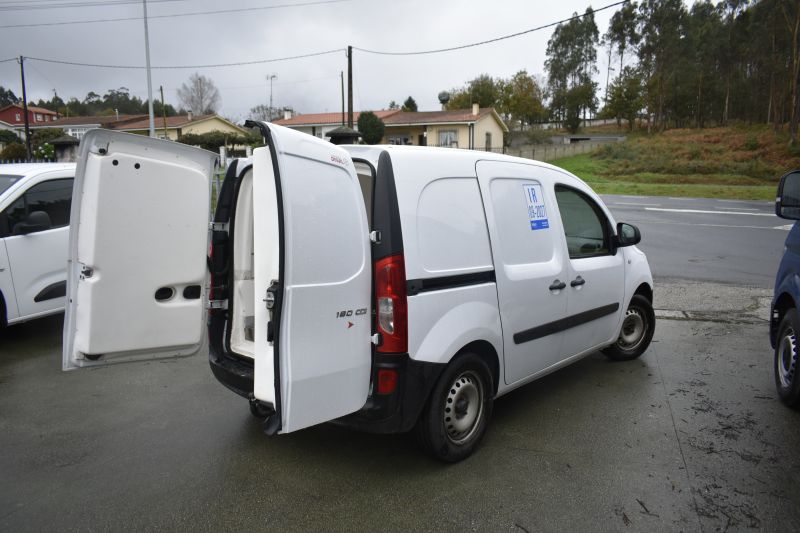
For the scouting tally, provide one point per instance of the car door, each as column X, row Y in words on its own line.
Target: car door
column 8, row 301
column 137, row 273
column 38, row 259
column 596, row 279
column 530, row 264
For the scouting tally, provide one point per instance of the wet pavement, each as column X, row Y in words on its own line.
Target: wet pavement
column 690, row 437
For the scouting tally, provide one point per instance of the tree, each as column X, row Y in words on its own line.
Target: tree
column 523, row 99
column 14, row 152
column 625, row 96
column 9, row 137
column 393, row 105
column 200, row 95
column 261, row 112
column 370, row 127
column 571, row 62
column 7, row 97
column 409, row 105
column 483, row 90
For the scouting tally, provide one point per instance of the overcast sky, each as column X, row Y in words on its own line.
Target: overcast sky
column 308, row 85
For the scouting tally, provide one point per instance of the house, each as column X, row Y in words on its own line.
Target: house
column 179, row 125
column 320, row 124
column 14, row 114
column 477, row 128
column 78, row 126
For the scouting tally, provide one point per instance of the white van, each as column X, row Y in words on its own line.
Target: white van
column 34, row 233
column 384, row 287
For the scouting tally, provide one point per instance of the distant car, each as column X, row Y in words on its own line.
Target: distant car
column 785, row 323
column 35, row 200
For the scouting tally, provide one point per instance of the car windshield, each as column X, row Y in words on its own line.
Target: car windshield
column 7, row 181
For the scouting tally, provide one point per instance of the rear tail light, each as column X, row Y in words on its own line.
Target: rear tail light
column 387, row 380
column 391, row 304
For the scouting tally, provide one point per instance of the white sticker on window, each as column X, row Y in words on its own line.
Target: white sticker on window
column 537, row 213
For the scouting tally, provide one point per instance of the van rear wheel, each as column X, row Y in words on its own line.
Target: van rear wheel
column 458, row 411
column 637, row 330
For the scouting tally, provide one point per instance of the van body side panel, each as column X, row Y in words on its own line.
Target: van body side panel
column 442, row 322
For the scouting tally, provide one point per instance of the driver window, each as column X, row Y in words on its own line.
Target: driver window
column 585, row 225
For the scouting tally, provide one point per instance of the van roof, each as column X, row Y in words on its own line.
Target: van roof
column 25, row 169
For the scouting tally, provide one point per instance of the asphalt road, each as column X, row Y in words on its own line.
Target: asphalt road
column 729, row 241
column 688, row 438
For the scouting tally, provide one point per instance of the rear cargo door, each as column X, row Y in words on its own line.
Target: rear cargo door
column 138, row 242
column 312, row 268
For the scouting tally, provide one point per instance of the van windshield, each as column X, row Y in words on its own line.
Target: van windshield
column 7, row 181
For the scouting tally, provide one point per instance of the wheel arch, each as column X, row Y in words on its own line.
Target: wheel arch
column 3, row 311
column 486, row 351
column 645, row 290
column 782, row 304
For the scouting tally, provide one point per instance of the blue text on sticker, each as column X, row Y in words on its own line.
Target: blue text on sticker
column 537, row 212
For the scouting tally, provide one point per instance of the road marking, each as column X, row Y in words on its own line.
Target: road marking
column 711, row 225
column 702, row 211
column 634, row 203
column 674, row 198
column 634, row 197
column 787, row 227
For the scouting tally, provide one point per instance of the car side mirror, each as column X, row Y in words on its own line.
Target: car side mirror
column 787, row 203
column 627, row 235
column 35, row 221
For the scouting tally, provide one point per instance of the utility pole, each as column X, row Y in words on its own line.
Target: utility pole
column 163, row 110
column 341, row 76
column 25, row 107
column 55, row 95
column 270, row 78
column 349, row 86
column 149, row 80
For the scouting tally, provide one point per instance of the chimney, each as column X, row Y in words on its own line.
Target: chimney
column 287, row 114
column 189, row 115
column 475, row 109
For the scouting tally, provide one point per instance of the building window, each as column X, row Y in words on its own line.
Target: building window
column 488, row 141
column 47, row 118
column 18, row 117
column 448, row 138
column 37, row 117
column 399, row 139
column 78, row 133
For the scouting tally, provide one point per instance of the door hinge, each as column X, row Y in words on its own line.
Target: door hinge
column 86, row 272
column 218, row 226
column 376, row 339
column 217, row 304
column 375, row 236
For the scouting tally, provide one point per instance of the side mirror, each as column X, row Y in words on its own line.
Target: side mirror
column 35, row 221
column 787, row 203
column 627, row 235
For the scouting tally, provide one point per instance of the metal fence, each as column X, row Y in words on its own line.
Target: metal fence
column 19, row 161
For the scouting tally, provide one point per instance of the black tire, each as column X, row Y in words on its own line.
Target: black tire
column 786, row 364
column 458, row 410
column 637, row 330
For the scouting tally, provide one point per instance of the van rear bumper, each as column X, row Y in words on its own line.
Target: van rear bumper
column 396, row 412
column 390, row 413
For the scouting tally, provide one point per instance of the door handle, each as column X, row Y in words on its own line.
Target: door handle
column 557, row 285
column 577, row 282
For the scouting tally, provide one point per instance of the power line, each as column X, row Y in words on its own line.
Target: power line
column 9, row 59
column 75, row 4
column 504, row 37
column 217, row 65
column 192, row 14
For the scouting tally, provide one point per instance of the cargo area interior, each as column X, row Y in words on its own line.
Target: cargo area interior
column 242, row 313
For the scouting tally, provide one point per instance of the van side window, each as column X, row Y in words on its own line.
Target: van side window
column 366, row 178
column 54, row 197
column 585, row 224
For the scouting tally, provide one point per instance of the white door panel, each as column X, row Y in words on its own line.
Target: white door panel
column 39, row 269
column 529, row 257
column 138, row 250
column 323, row 333
column 6, row 284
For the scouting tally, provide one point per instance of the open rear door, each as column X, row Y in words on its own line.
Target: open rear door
column 138, row 245
column 312, row 281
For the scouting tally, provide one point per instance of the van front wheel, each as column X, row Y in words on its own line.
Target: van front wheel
column 455, row 418
column 638, row 326
column 787, row 360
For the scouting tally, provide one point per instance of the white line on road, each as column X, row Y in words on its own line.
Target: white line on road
column 701, row 211
column 673, row 198
column 785, row 228
column 635, row 197
column 634, row 203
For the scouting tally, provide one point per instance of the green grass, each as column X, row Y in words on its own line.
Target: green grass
column 741, row 162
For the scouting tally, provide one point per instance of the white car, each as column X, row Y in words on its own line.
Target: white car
column 384, row 287
column 35, row 203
